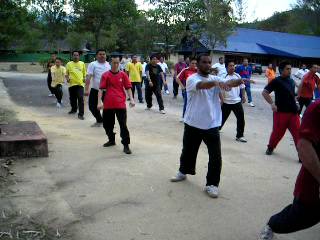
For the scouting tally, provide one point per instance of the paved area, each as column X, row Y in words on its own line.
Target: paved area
column 96, row 193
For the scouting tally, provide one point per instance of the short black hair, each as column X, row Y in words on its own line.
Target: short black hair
column 202, row 55
column 100, row 50
column 75, row 51
column 230, row 61
column 220, row 58
column 154, row 56
column 193, row 59
column 283, row 64
column 58, row 58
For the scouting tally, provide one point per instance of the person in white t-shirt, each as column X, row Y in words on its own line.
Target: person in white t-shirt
column 144, row 75
column 233, row 102
column 94, row 73
column 202, row 121
column 298, row 76
column 165, row 70
column 221, row 66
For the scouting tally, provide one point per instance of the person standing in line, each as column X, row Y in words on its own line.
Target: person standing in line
column 307, row 87
column 233, row 102
column 202, row 121
column 115, row 82
column 300, row 74
column 144, row 76
column 134, row 70
column 270, row 73
column 285, row 109
column 94, row 73
column 155, row 76
column 76, row 74
column 245, row 71
column 50, row 63
column 304, row 212
column 182, row 81
column 165, row 70
column 180, row 65
column 221, row 66
column 58, row 73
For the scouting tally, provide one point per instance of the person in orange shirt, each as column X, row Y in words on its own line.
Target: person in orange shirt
column 270, row 73
column 307, row 87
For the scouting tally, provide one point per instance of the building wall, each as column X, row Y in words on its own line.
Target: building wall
column 215, row 56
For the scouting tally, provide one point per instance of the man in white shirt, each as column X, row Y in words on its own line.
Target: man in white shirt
column 233, row 102
column 94, row 73
column 144, row 75
column 202, row 121
column 221, row 66
column 298, row 76
column 165, row 70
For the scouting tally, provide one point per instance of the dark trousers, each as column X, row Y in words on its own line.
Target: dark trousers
column 137, row 85
column 192, row 139
column 49, row 81
column 295, row 217
column 185, row 101
column 76, row 99
column 93, row 104
column 304, row 102
column 155, row 89
column 237, row 109
column 58, row 92
column 282, row 122
column 109, row 121
column 175, row 87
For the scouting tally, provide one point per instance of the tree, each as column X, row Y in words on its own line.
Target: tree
column 240, row 6
column 14, row 22
column 52, row 15
column 98, row 16
column 310, row 13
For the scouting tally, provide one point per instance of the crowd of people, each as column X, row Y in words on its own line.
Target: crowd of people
column 210, row 93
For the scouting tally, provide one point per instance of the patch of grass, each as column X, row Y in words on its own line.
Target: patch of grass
column 7, row 115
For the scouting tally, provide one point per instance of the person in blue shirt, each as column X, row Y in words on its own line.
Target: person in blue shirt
column 245, row 71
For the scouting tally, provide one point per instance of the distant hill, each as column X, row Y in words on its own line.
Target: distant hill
column 293, row 21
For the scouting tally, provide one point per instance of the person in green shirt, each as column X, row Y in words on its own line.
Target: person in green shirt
column 76, row 73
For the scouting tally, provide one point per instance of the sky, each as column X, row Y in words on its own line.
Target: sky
column 256, row 9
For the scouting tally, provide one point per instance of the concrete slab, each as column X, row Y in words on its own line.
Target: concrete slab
column 22, row 139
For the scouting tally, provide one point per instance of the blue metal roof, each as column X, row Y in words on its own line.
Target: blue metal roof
column 245, row 40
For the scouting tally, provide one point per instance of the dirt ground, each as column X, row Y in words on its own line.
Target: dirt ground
column 89, row 192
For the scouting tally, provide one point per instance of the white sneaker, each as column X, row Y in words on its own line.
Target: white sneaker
column 162, row 111
column 241, row 139
column 212, row 191
column 167, row 92
column 266, row 233
column 300, row 116
column 179, row 177
column 148, row 109
column 59, row 105
column 251, row 104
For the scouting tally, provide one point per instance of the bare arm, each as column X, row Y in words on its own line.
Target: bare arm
column 207, row 84
column 243, row 94
column 162, row 77
column 100, row 101
column 149, row 79
column 88, row 79
column 180, row 83
column 309, row 158
column 221, row 97
column 267, row 97
column 129, row 92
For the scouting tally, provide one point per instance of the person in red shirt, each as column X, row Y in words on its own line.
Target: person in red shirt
column 177, row 69
column 304, row 212
column 182, row 81
column 307, row 87
column 115, row 82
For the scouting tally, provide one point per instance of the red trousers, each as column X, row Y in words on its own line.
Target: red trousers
column 282, row 122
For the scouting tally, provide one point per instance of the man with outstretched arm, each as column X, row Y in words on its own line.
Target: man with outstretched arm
column 202, row 121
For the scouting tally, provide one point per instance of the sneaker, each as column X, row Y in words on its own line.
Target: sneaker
column 96, row 124
column 80, row 117
column 241, row 139
column 300, row 116
column 50, row 95
column 269, row 151
column 251, row 104
column 59, row 105
column 162, row 111
column 72, row 112
column 148, row 108
column 126, row 149
column 266, row 233
column 141, row 101
column 212, row 191
column 178, row 177
column 167, row 92
column 109, row 144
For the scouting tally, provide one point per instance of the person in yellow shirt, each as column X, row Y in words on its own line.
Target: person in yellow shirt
column 58, row 74
column 134, row 70
column 270, row 73
column 76, row 74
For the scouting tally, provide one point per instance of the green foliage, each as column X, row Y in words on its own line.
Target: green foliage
column 44, row 61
